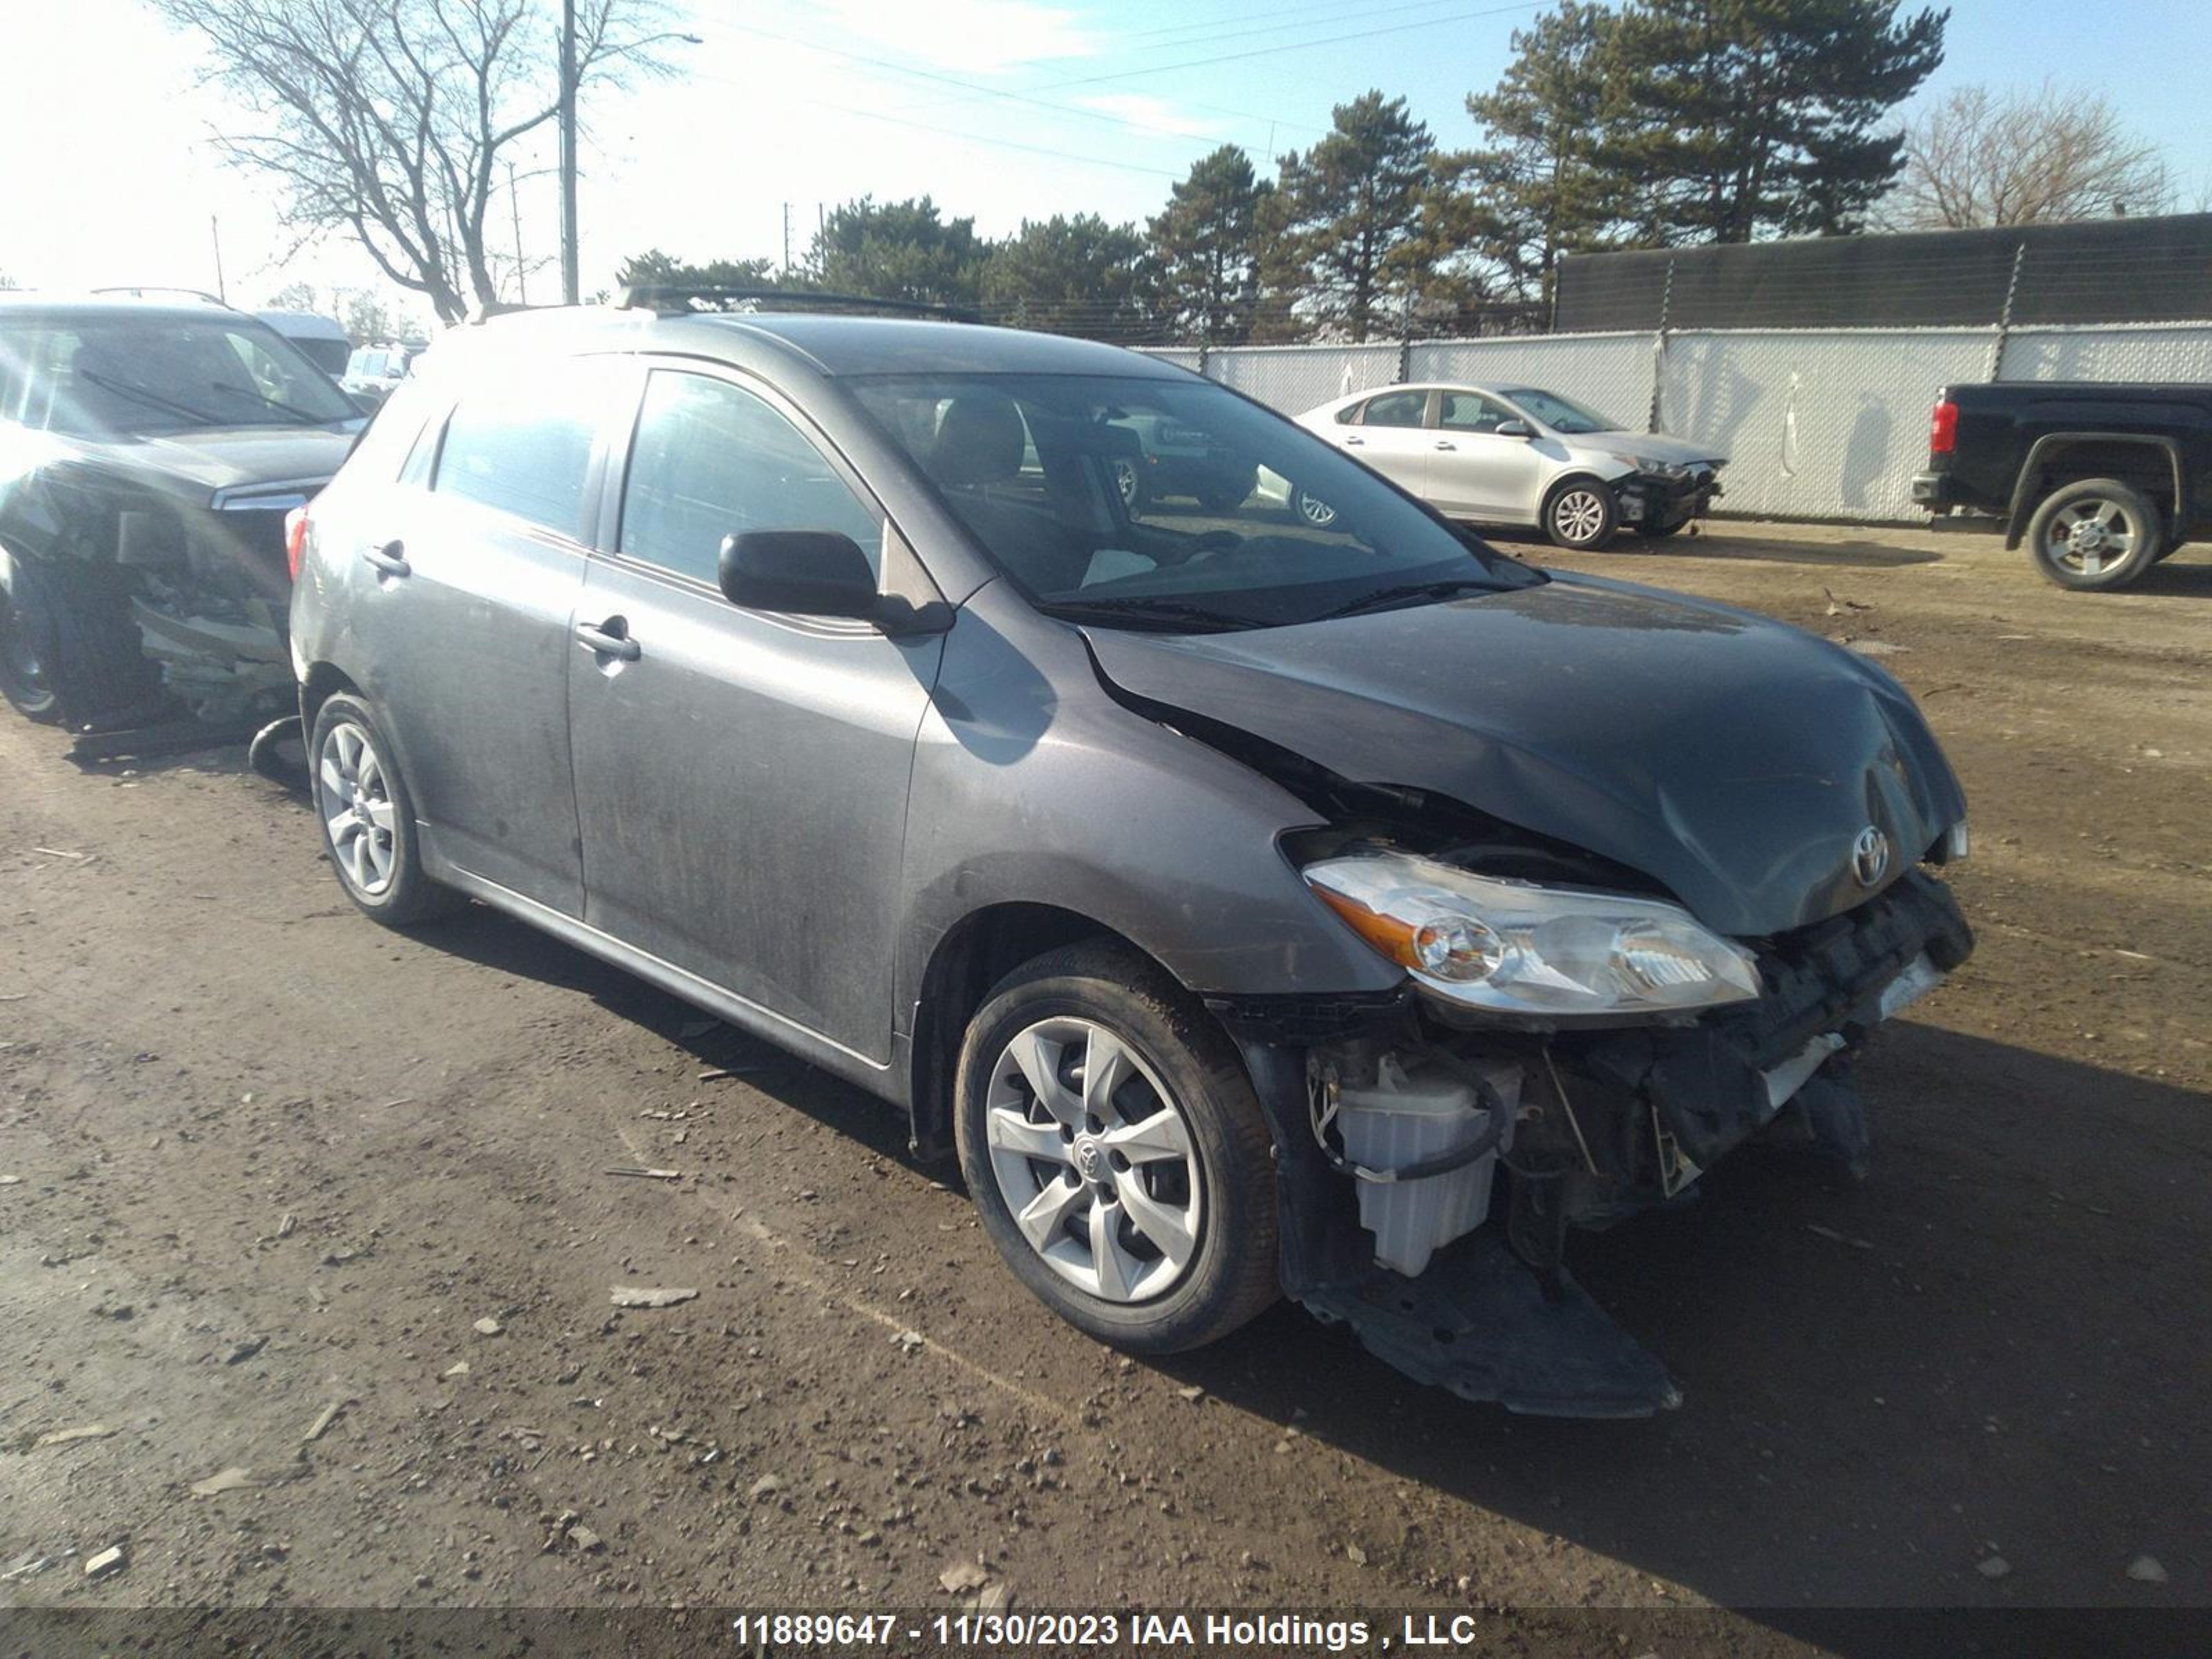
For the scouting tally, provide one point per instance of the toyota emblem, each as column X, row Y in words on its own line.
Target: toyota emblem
column 1870, row 856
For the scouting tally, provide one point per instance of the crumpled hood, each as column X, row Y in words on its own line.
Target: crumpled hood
column 1734, row 760
column 200, row 464
column 1651, row 445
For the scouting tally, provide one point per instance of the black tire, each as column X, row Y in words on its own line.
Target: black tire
column 1580, row 514
column 1232, row 1271
column 404, row 896
column 27, row 630
column 2095, row 534
column 1129, row 484
column 1222, row 495
column 93, row 672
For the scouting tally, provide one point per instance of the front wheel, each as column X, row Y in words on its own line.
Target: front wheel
column 1117, row 1157
column 2095, row 534
column 26, row 630
column 1315, row 511
column 1129, row 484
column 1580, row 514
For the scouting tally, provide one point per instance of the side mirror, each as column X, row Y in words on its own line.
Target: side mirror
column 1514, row 430
column 802, row 573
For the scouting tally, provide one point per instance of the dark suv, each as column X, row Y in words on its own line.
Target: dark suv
column 148, row 454
column 1254, row 904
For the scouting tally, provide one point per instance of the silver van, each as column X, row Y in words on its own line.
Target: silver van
column 1256, row 904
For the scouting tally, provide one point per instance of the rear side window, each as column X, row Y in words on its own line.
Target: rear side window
column 1396, row 409
column 524, row 445
column 711, row 459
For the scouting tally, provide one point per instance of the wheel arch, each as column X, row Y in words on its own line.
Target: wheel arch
column 322, row 682
column 971, row 956
column 2152, row 463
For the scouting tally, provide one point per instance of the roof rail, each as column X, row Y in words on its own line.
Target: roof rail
column 140, row 291
column 685, row 296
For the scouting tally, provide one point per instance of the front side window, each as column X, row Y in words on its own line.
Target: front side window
column 522, row 445
column 1249, row 521
column 712, row 459
column 1470, row 411
column 1397, row 409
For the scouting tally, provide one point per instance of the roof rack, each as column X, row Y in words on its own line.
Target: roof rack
column 141, row 290
column 686, row 296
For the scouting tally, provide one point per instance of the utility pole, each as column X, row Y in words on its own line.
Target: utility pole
column 571, row 281
column 787, row 239
column 214, row 234
column 521, row 271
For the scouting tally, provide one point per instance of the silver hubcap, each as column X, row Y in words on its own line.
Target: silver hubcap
column 1094, row 1159
column 357, row 811
column 1317, row 511
column 2086, row 535
column 1125, row 480
column 1579, row 515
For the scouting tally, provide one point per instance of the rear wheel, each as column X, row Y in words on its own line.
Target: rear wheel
column 1580, row 514
column 1315, row 511
column 1117, row 1157
column 26, row 633
column 2095, row 534
column 368, row 819
column 1129, row 484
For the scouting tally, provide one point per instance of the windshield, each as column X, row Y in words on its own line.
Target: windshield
column 1168, row 503
column 1560, row 414
column 158, row 374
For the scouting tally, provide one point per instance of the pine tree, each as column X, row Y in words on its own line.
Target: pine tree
column 1751, row 117
column 1353, row 213
column 1537, row 188
column 1062, row 275
column 1204, row 265
column 900, row 251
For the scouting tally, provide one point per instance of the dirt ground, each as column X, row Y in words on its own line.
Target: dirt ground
column 262, row 1159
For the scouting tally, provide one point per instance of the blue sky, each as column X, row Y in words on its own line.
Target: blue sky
column 999, row 108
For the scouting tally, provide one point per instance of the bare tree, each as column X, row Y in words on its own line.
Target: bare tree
column 389, row 119
column 2024, row 157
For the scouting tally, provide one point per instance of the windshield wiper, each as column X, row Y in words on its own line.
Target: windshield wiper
column 151, row 399
column 299, row 415
column 1404, row 591
column 1138, row 608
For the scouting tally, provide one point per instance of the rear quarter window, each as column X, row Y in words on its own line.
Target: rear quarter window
column 522, row 445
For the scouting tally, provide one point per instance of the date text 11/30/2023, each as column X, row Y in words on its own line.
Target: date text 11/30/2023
column 1194, row 1632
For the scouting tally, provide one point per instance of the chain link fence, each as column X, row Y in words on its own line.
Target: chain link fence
column 1816, row 423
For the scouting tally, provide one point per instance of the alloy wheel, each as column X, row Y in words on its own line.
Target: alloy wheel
column 2084, row 536
column 1094, row 1160
column 1124, row 481
column 1579, row 515
column 1316, row 511
column 355, row 801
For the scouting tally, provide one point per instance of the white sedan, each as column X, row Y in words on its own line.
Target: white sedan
column 1517, row 455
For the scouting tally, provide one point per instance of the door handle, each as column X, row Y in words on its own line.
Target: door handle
column 389, row 559
column 1353, row 443
column 600, row 638
column 1446, row 443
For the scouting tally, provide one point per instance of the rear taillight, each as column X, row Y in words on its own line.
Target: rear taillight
column 295, row 539
column 1943, row 429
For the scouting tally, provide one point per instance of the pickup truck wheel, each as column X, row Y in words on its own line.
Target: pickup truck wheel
column 26, row 638
column 1580, row 514
column 1117, row 1157
column 2095, row 534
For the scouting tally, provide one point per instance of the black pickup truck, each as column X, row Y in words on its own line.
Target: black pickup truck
column 2101, row 481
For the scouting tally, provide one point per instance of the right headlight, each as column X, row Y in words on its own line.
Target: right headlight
column 1512, row 947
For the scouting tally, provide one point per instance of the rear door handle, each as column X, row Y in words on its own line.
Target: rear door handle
column 620, row 647
column 389, row 559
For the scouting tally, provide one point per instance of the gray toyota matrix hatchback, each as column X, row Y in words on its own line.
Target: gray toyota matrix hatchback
column 1257, row 905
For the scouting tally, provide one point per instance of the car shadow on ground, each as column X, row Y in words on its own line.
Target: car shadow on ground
column 1720, row 543
column 1881, row 1380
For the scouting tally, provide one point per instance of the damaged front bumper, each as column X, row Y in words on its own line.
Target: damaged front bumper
column 1600, row 1126
column 1651, row 501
